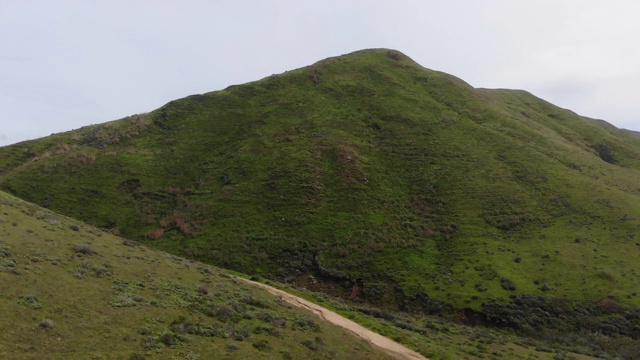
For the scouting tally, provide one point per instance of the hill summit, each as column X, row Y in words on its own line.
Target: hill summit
column 365, row 176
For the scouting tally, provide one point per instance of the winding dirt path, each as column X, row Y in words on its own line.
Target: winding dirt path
column 387, row 345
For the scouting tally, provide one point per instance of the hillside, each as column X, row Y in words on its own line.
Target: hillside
column 70, row 291
column 369, row 177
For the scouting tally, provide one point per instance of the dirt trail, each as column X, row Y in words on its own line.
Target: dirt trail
column 387, row 345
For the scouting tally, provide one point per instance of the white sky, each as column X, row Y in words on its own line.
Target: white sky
column 65, row 64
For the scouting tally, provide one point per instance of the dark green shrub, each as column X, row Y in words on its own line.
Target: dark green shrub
column 170, row 339
column 240, row 334
column 605, row 153
column 29, row 301
column 151, row 343
column 507, row 284
column 182, row 326
column 279, row 322
column 201, row 329
column 286, row 355
column 4, row 251
column 84, row 249
column 305, row 324
column 46, row 324
column 225, row 313
column 261, row 344
column 310, row 344
column 254, row 302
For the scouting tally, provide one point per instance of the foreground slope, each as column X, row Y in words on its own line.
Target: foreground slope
column 369, row 177
column 69, row 291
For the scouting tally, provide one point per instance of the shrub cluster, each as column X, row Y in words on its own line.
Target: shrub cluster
column 84, row 249
column 539, row 316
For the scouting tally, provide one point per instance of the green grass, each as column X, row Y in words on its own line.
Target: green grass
column 87, row 294
column 365, row 169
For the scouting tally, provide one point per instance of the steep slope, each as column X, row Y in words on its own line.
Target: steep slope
column 365, row 176
column 69, row 291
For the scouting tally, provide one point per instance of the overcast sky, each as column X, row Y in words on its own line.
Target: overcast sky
column 65, row 64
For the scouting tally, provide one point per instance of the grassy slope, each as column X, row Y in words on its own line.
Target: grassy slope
column 126, row 301
column 364, row 169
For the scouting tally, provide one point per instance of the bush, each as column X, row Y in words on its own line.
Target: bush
column 98, row 271
column 169, row 339
column 605, row 153
column 151, row 343
column 225, row 313
column 30, row 301
column 4, row 251
column 279, row 322
column 305, row 324
column 46, row 324
column 122, row 300
column 191, row 355
column 240, row 334
column 182, row 326
column 262, row 345
column 507, row 284
column 84, row 249
column 128, row 242
column 310, row 344
column 254, row 302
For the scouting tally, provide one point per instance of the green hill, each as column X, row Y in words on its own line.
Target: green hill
column 70, row 291
column 369, row 177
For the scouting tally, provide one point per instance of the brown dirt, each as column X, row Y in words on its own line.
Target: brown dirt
column 387, row 345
